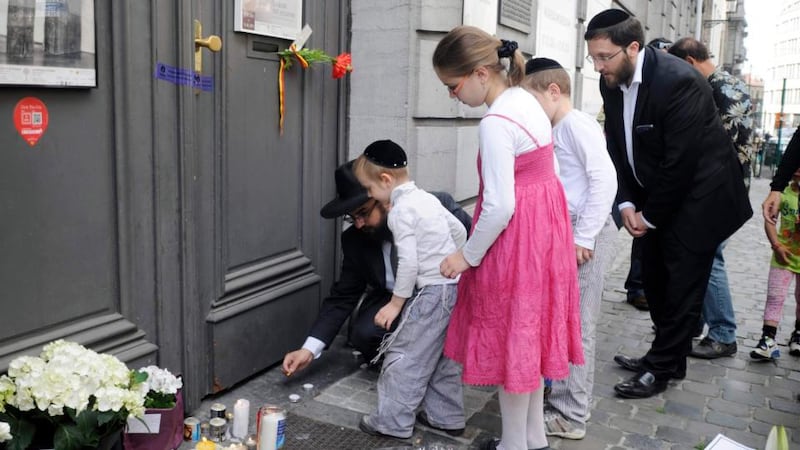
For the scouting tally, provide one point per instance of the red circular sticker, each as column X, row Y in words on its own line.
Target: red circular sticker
column 30, row 119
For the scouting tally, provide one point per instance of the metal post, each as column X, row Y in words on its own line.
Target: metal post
column 778, row 153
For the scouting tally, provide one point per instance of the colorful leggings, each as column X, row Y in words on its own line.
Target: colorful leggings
column 777, row 288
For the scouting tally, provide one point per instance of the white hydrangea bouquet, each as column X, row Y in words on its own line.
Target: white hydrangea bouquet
column 161, row 387
column 162, row 424
column 69, row 398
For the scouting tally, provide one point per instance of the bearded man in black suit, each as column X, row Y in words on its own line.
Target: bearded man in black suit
column 366, row 271
column 680, row 184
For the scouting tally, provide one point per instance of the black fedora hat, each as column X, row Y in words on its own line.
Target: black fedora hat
column 349, row 193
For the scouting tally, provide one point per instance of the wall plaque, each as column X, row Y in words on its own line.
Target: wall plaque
column 516, row 14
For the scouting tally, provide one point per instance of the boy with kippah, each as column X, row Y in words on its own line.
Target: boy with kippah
column 414, row 372
column 590, row 183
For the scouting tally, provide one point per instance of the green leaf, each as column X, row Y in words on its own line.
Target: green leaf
column 777, row 439
column 159, row 400
column 71, row 437
column 23, row 432
column 138, row 377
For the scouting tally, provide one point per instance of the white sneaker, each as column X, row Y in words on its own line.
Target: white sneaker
column 556, row 425
column 767, row 348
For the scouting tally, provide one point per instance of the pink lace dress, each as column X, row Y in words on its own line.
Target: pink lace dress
column 517, row 317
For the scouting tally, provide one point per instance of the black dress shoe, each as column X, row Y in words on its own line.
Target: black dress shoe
column 639, row 302
column 642, row 385
column 491, row 444
column 635, row 365
column 628, row 363
column 422, row 418
column 708, row 348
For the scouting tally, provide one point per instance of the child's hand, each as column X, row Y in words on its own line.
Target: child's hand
column 782, row 254
column 583, row 254
column 386, row 315
column 453, row 265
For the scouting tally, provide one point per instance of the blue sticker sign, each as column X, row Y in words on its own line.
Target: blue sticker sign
column 184, row 77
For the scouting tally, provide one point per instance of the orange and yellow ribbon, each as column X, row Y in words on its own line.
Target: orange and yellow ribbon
column 282, row 82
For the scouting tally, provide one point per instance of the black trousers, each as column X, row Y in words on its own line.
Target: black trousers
column 364, row 335
column 675, row 281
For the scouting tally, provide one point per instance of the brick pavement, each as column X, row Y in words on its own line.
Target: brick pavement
column 734, row 396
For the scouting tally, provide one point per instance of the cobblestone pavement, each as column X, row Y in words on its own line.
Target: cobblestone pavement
column 735, row 396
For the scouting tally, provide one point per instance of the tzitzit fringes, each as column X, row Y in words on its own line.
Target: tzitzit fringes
column 389, row 338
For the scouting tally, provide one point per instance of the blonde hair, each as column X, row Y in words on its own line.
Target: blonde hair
column 539, row 81
column 465, row 48
column 363, row 167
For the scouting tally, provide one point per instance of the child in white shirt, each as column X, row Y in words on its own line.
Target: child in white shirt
column 414, row 371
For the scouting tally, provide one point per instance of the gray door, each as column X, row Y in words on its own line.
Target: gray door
column 63, row 216
column 257, row 253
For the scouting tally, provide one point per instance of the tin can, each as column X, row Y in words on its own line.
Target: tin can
column 191, row 429
column 271, row 427
column 205, row 430
column 217, row 428
column 217, row 410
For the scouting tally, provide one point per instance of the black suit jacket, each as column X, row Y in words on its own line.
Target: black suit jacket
column 363, row 271
column 691, row 181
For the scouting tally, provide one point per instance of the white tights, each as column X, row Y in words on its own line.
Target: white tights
column 522, row 416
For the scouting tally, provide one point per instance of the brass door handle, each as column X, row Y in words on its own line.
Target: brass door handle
column 212, row 42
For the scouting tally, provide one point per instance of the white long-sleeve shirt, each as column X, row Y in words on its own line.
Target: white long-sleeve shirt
column 425, row 232
column 587, row 173
column 501, row 141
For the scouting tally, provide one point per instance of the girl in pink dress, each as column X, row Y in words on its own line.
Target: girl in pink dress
column 517, row 318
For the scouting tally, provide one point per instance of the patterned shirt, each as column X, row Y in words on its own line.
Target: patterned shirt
column 735, row 110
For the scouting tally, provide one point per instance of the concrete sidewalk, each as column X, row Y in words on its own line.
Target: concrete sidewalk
column 734, row 396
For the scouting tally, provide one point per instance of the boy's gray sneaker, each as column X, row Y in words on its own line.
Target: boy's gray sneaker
column 556, row 425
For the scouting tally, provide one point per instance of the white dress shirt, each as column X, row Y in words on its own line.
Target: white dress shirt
column 587, row 173
column 629, row 96
column 425, row 232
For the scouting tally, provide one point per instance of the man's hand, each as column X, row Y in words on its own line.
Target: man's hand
column 453, row 265
column 633, row 222
column 386, row 315
column 583, row 254
column 770, row 207
column 296, row 360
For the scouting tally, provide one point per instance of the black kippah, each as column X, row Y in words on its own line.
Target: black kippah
column 387, row 154
column 507, row 48
column 607, row 18
column 539, row 64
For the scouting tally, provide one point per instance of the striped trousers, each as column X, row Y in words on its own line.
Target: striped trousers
column 572, row 397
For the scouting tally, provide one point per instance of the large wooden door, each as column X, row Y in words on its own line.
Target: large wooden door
column 257, row 253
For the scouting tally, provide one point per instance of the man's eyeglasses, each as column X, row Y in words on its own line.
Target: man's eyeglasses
column 361, row 213
column 596, row 59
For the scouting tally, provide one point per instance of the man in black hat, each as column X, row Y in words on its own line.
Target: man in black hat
column 680, row 184
column 366, row 269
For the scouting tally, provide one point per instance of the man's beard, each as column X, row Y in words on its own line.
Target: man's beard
column 381, row 231
column 624, row 73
